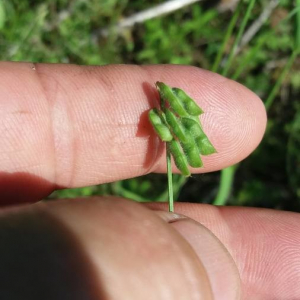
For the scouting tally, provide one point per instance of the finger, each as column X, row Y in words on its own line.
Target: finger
column 72, row 126
column 108, row 249
column 265, row 245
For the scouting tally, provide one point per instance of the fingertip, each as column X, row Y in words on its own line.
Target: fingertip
column 235, row 120
column 234, row 117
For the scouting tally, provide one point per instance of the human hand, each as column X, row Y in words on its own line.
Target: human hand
column 70, row 126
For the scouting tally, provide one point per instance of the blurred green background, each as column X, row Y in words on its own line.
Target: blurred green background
column 66, row 31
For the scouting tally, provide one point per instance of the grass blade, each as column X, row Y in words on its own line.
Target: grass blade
column 227, row 37
column 281, row 77
column 238, row 37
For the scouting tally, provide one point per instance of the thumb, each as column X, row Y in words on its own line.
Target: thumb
column 104, row 248
column 220, row 267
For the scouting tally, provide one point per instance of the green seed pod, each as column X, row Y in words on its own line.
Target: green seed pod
column 189, row 104
column 205, row 146
column 192, row 152
column 176, row 126
column 179, row 158
column 158, row 124
column 193, row 127
column 167, row 94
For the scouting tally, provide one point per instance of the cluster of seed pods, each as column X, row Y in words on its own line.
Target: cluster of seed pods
column 177, row 123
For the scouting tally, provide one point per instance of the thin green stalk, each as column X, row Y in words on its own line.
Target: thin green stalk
column 178, row 183
column 292, row 13
column 121, row 191
column 169, row 166
column 226, row 38
column 170, row 182
column 282, row 76
column 40, row 17
column 250, row 55
column 238, row 37
column 226, row 181
column 265, row 38
column 290, row 61
column 227, row 175
column 297, row 46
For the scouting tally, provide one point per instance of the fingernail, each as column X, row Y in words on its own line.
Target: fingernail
column 217, row 261
column 169, row 217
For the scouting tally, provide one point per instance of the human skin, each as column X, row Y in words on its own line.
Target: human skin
column 65, row 126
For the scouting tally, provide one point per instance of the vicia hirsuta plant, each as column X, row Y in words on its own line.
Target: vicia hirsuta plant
column 177, row 123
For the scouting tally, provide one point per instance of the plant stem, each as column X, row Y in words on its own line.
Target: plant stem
column 227, row 175
column 297, row 42
column 178, row 183
column 257, row 24
column 282, row 76
column 226, row 181
column 238, row 38
column 121, row 191
column 264, row 39
column 170, row 181
column 290, row 61
column 226, row 39
column 250, row 55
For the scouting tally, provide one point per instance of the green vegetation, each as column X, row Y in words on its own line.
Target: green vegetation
column 68, row 32
column 177, row 123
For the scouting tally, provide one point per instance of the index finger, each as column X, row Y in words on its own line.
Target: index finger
column 72, row 126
